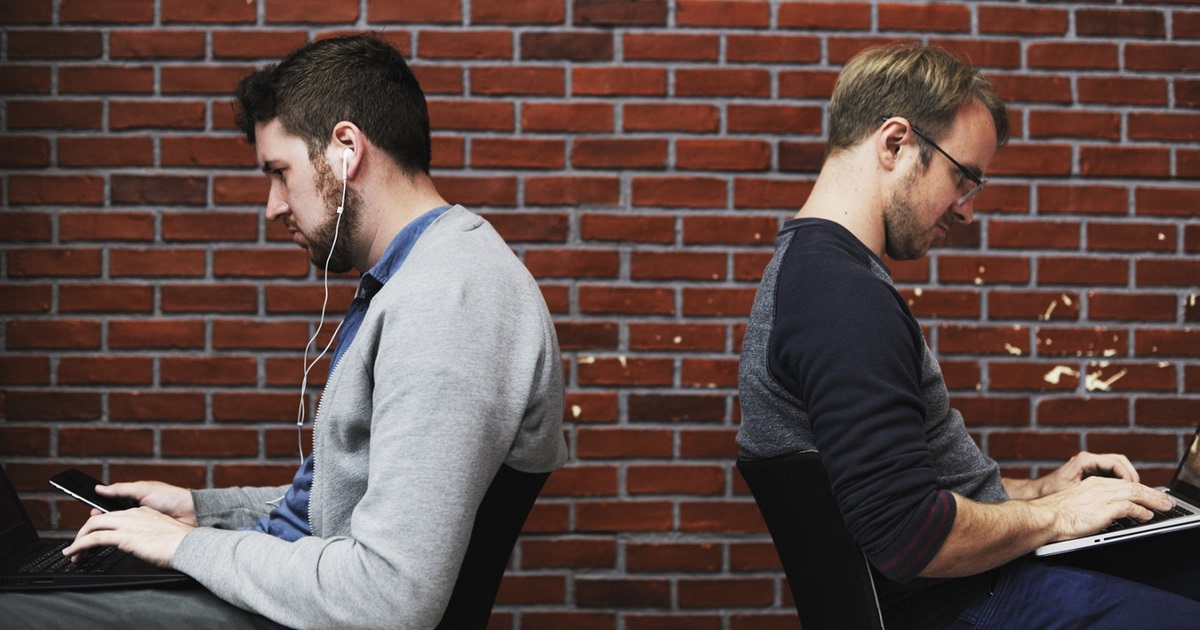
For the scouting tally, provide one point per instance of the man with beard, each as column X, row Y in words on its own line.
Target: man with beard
column 834, row 362
column 446, row 368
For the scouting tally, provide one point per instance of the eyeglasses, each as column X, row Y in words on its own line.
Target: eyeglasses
column 972, row 177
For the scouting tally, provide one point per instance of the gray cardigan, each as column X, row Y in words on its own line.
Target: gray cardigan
column 455, row 370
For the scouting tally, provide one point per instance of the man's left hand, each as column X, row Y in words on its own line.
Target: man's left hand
column 143, row 532
column 1087, row 464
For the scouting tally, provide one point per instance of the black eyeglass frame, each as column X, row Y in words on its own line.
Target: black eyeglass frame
column 979, row 182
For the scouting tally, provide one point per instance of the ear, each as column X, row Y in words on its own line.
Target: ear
column 346, row 135
column 890, row 139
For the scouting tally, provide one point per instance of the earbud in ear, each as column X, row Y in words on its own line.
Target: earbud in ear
column 346, row 154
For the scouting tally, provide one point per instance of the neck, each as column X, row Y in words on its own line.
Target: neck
column 388, row 206
column 847, row 193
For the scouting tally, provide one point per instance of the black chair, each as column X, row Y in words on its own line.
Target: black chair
column 828, row 574
column 498, row 522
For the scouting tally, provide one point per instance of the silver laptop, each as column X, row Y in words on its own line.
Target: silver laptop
column 1184, row 488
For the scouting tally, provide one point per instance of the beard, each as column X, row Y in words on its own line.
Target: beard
column 904, row 236
column 330, row 243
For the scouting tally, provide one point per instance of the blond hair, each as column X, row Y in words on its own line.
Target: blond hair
column 925, row 84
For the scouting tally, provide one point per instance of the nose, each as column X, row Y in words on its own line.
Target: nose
column 964, row 213
column 276, row 204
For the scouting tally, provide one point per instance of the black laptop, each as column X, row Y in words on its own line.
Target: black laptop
column 29, row 563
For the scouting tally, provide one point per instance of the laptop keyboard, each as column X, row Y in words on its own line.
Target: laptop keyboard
column 1127, row 522
column 53, row 561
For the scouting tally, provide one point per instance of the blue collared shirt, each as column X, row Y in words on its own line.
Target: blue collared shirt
column 290, row 521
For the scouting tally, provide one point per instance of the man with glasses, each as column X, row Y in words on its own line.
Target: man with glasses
column 833, row 361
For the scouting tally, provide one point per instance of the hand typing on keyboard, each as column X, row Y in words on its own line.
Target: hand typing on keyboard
column 143, row 532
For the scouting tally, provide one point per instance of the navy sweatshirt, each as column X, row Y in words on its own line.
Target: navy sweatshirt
column 834, row 361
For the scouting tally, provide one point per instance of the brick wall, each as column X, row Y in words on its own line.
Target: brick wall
column 639, row 156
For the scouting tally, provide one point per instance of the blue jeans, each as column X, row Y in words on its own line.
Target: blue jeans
column 1138, row 584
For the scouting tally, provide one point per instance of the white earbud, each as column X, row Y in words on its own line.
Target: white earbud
column 346, row 154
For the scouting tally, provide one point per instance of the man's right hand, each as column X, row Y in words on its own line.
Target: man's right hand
column 170, row 500
column 1094, row 503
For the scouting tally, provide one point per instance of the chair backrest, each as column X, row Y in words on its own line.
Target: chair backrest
column 498, row 522
column 828, row 575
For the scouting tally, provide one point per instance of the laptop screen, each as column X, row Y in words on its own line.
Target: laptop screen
column 16, row 532
column 1187, row 477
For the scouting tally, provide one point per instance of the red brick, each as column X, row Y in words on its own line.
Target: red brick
column 572, row 191
column 569, row 553
column 723, row 13
column 518, row 80
column 723, row 82
column 414, row 11
column 825, row 16
column 1082, row 411
column 765, row 193
column 567, row 45
column 567, row 117
column 726, row 592
column 168, row 334
column 1122, row 90
column 1165, row 273
column 708, row 443
column 24, row 298
column 105, row 441
column 772, row 49
column 679, row 192
column 517, row 153
column 650, row 265
column 1034, row 305
column 25, row 370
column 254, row 407
column 1132, row 306
column 723, row 155
column 475, row 44
column 1094, row 199
column 619, row 153
column 925, row 17
column 670, row 47
column 581, row 481
column 462, row 115
column 1081, row 271
column 538, row 227
column 1022, row 20
column 1162, row 57
column 970, row 339
column 623, row 443
column 62, row 334
column 619, row 12
column 720, row 516
column 1033, row 376
column 1033, row 234
column 622, row 227
column 479, row 191
column 576, row 263
column 1168, row 343
column 209, row 442
column 55, row 44
column 216, row 80
column 622, row 81
column 55, row 189
column 205, row 298
column 623, row 516
column 675, row 479
column 672, row 557
column 1036, row 88
column 1072, row 56
column 25, row 441
column 318, row 11
column 54, row 406
column 673, row 117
